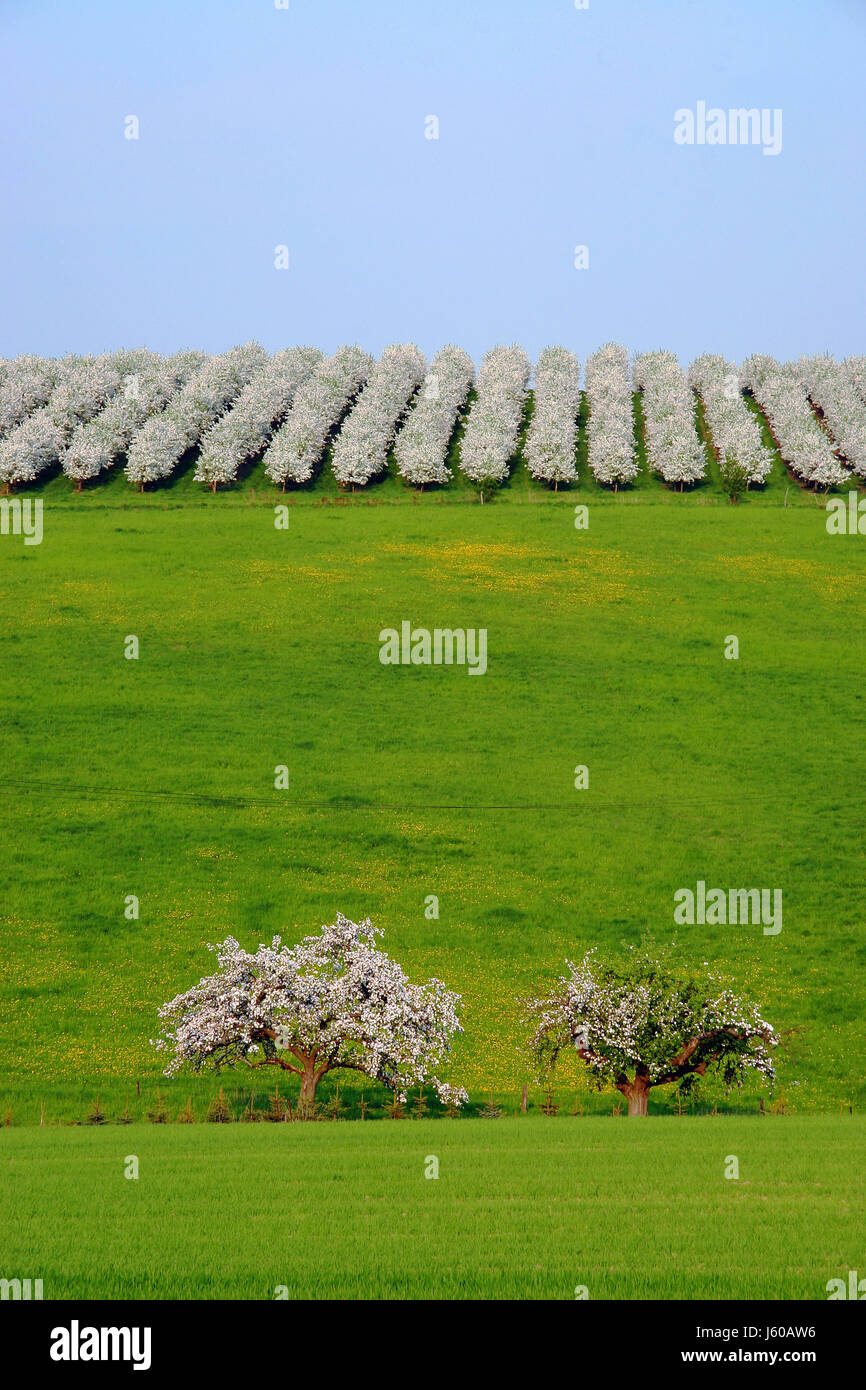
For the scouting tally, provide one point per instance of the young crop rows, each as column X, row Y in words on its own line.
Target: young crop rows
column 301, row 414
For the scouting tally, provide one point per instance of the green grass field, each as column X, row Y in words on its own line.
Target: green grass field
column 260, row 647
column 522, row 1208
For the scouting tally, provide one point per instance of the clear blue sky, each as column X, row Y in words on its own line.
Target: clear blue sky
column 305, row 127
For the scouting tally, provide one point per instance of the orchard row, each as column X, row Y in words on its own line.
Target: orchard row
column 87, row 414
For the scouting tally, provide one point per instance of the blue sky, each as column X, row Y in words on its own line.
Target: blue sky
column 305, row 127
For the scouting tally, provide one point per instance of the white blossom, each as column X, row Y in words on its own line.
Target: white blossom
column 83, row 386
column 421, row 445
column 247, row 427
column 27, row 384
column 854, row 369
column 299, row 443
column 784, row 400
column 493, row 422
column 163, row 440
column 610, row 427
column 833, row 393
column 361, row 447
column 147, row 388
column 647, row 1023
column 552, row 435
column 735, row 431
column 673, row 448
column 333, row 1001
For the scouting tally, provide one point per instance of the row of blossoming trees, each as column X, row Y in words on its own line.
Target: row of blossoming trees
column 87, row 414
column 338, row 1002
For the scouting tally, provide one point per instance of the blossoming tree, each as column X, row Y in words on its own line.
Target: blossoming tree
column 552, row 434
column 246, row 428
column 361, row 448
column 649, row 1023
column 672, row 446
column 333, row 1001
column 27, row 385
column 734, row 430
column 316, row 411
column 493, row 422
column 83, row 386
column 833, row 394
column 148, row 386
column 610, row 431
column 162, row 441
column 784, row 400
column 421, row 445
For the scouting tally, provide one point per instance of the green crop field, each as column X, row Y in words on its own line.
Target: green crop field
column 521, row 1208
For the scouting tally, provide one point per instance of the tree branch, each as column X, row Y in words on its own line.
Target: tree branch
column 680, row 1065
column 275, row 1062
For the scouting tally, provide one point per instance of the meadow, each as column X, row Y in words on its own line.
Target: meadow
column 259, row 647
column 527, row 1208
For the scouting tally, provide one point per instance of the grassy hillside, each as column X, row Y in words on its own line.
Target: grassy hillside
column 260, row 647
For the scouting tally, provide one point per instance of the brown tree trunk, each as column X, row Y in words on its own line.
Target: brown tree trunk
column 637, row 1094
column 309, row 1081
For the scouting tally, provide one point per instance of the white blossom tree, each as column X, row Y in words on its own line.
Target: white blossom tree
column 785, row 402
column 734, row 430
column 493, row 422
column 335, row 1001
column 147, row 388
column 247, row 426
column 672, row 445
column 552, row 435
column 361, row 448
column 610, row 426
column 834, row 395
column 647, row 1022
column 162, row 441
column 854, row 369
column 27, row 385
column 83, row 386
column 299, row 443
column 422, row 441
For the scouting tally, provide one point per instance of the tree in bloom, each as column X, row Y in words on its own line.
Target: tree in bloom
column 335, row 1001
column 147, row 388
column 650, row 1022
column 785, row 402
column 83, row 386
column 27, row 385
column 361, row 448
column 422, row 441
column 734, row 430
column 672, row 445
column 493, row 422
column 854, row 370
column 317, row 409
column 552, row 434
column 163, row 440
column 834, row 395
column 247, row 427
column 610, row 428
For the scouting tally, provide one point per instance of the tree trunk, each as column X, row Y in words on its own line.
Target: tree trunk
column 309, row 1081
column 637, row 1094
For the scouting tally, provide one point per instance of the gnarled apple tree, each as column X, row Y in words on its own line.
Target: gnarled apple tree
column 333, row 1001
column 647, row 1023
